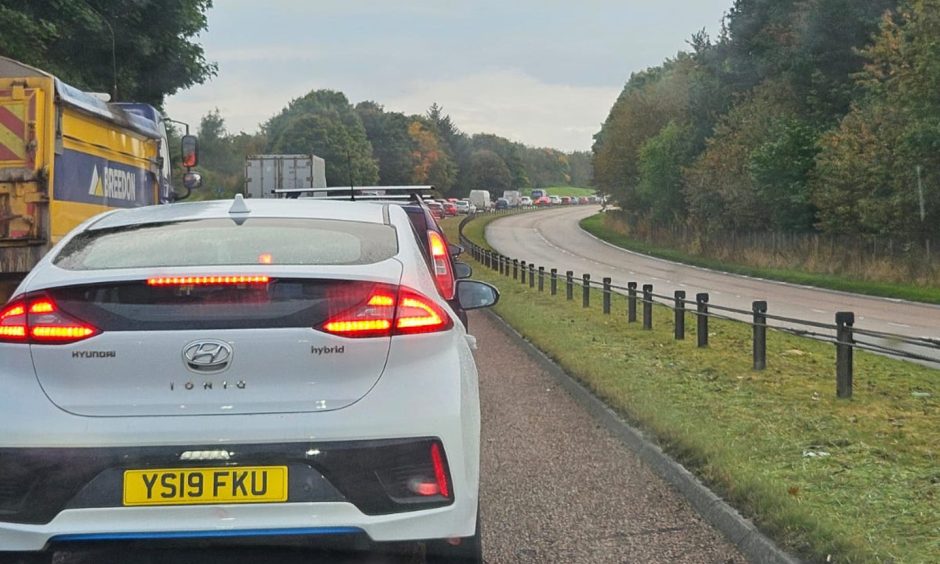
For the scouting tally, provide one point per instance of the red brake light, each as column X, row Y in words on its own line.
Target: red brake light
column 38, row 320
column 389, row 312
column 206, row 280
column 13, row 322
column 372, row 319
column 440, row 260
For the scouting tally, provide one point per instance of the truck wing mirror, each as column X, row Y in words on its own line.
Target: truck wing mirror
column 190, row 147
column 192, row 180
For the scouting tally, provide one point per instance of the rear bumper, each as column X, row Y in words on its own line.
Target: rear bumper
column 420, row 397
column 237, row 522
column 37, row 484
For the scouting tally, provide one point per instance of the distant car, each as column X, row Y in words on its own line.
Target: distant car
column 556, row 200
column 543, row 202
column 502, row 204
column 525, row 202
column 536, row 194
column 453, row 200
column 566, row 200
column 584, row 200
column 450, row 209
column 463, row 206
column 437, row 209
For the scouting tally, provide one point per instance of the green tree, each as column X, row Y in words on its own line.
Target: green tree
column 721, row 189
column 662, row 158
column 324, row 123
column 781, row 167
column 650, row 100
column 509, row 152
column 580, row 170
column 431, row 162
column 348, row 156
column 866, row 178
column 392, row 146
column 488, row 171
column 155, row 52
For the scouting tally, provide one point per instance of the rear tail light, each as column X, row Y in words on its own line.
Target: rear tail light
column 389, row 311
column 440, row 260
column 36, row 319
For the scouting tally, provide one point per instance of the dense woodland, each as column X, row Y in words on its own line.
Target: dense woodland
column 801, row 116
column 366, row 145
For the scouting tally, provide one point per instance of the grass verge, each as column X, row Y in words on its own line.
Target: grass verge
column 851, row 480
column 595, row 226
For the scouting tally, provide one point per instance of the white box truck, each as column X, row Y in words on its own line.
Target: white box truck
column 266, row 173
column 481, row 199
column 513, row 197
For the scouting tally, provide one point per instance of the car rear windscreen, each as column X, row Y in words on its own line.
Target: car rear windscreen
column 227, row 242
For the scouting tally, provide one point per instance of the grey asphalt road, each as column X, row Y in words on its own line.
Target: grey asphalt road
column 553, row 239
column 556, row 486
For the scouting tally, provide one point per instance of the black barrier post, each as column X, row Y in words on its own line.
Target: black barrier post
column 531, row 275
column 515, row 269
column 553, row 281
column 647, row 306
column 760, row 334
column 845, row 320
column 631, row 302
column 680, row 315
column 586, row 290
column 522, row 271
column 701, row 302
column 569, row 285
column 501, row 260
column 541, row 279
column 606, row 296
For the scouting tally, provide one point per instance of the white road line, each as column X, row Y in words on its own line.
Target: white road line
column 902, row 325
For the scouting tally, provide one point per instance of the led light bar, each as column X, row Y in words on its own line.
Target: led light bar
column 206, row 280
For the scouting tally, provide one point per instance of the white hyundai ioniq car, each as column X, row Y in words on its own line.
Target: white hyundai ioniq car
column 240, row 369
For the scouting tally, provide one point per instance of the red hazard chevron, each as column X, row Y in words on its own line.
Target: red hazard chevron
column 12, row 121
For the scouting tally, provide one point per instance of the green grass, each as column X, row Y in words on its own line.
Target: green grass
column 595, row 226
column 745, row 433
column 563, row 191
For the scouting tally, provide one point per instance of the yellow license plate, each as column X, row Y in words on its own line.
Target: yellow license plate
column 187, row 486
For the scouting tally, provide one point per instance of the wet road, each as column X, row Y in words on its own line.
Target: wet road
column 554, row 239
column 556, row 486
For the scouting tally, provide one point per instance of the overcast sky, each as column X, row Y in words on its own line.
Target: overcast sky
column 541, row 72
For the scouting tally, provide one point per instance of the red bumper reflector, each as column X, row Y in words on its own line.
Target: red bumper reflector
column 440, row 472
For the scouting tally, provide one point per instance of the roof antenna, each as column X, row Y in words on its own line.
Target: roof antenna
column 352, row 189
column 239, row 206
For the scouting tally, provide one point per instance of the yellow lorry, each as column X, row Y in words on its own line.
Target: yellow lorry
column 65, row 156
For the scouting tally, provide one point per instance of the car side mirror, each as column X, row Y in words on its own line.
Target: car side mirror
column 454, row 250
column 462, row 270
column 473, row 294
column 190, row 150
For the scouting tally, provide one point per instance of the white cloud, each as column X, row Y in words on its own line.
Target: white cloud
column 514, row 105
column 267, row 54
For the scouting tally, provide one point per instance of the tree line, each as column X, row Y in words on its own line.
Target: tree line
column 801, row 116
column 366, row 145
